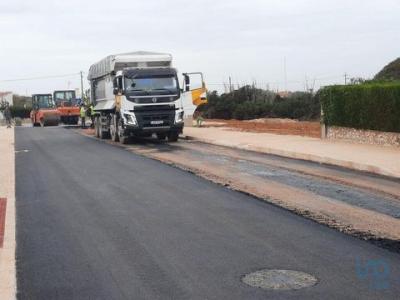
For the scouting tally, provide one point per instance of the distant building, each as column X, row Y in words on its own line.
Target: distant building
column 6, row 97
column 284, row 94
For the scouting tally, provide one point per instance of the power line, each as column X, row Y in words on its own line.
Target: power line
column 287, row 82
column 41, row 77
column 285, row 73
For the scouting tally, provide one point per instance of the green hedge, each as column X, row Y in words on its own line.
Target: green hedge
column 373, row 106
column 20, row 112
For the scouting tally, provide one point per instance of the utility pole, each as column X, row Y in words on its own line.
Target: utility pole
column 313, row 86
column 306, row 84
column 82, row 92
column 226, row 89
column 285, row 72
column 230, row 84
column 345, row 78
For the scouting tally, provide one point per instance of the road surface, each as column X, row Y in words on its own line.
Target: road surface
column 95, row 221
column 359, row 203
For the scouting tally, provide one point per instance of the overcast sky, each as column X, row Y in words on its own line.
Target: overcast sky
column 246, row 40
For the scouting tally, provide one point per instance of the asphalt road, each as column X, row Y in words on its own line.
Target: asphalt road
column 95, row 221
column 373, row 192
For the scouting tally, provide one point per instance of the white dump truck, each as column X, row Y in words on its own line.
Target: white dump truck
column 138, row 94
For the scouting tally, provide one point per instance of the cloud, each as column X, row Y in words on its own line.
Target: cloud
column 243, row 39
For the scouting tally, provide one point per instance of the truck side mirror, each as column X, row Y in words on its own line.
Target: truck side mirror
column 120, row 83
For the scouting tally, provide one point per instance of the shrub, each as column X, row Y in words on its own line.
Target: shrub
column 373, row 106
column 20, row 112
column 390, row 71
column 251, row 103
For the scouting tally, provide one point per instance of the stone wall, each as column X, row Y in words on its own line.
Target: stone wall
column 363, row 136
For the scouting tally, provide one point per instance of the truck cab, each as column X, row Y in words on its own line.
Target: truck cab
column 138, row 94
column 149, row 102
column 44, row 111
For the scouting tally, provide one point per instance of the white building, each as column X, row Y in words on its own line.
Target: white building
column 6, row 97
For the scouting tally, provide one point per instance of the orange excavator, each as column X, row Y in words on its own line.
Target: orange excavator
column 44, row 112
column 67, row 106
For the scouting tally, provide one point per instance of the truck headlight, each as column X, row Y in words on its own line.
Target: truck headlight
column 179, row 116
column 130, row 119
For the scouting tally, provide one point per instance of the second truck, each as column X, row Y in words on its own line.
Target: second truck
column 138, row 94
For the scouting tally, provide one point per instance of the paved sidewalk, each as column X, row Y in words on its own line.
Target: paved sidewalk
column 7, row 191
column 375, row 159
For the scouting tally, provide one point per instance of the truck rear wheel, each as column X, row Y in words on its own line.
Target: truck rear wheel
column 104, row 134
column 97, row 127
column 124, row 140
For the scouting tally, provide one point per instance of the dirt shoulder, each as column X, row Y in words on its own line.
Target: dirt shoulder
column 368, row 158
column 270, row 125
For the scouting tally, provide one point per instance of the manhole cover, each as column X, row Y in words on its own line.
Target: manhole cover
column 279, row 279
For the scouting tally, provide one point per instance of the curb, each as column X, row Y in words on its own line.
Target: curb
column 300, row 156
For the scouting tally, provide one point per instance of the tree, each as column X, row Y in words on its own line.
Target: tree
column 390, row 71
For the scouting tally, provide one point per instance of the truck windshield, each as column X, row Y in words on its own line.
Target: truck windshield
column 44, row 101
column 162, row 84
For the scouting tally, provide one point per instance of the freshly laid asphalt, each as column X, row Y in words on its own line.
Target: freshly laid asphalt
column 95, row 221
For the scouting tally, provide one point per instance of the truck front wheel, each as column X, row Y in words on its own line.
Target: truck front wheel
column 114, row 129
column 173, row 137
column 97, row 127
column 161, row 136
column 123, row 139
